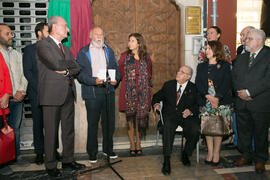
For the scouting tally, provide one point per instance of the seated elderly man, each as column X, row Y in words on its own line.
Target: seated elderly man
column 179, row 108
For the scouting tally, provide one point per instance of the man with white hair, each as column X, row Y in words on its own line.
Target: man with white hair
column 95, row 60
column 243, row 36
column 180, row 107
column 251, row 76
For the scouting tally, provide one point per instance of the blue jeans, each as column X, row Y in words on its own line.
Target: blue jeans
column 14, row 120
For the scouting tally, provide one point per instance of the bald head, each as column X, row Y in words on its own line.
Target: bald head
column 58, row 27
column 243, row 34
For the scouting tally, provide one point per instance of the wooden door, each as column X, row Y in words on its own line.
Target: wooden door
column 157, row 20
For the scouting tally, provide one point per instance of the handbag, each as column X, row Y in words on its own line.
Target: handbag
column 212, row 125
column 7, row 142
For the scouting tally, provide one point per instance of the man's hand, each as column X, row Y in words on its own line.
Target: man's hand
column 4, row 101
column 113, row 83
column 242, row 94
column 157, row 107
column 18, row 97
column 186, row 113
column 99, row 81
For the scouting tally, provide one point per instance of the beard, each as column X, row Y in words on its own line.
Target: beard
column 99, row 43
column 6, row 43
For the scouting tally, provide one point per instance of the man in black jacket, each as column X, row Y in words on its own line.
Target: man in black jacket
column 251, row 76
column 179, row 108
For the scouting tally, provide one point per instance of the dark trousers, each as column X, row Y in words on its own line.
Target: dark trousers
column 37, row 125
column 52, row 116
column 253, row 124
column 191, row 130
column 95, row 108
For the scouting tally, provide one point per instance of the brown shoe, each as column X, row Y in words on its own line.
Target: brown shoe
column 242, row 161
column 259, row 168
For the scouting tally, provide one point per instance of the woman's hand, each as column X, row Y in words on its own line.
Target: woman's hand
column 213, row 100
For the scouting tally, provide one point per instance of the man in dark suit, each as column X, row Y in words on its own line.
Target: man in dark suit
column 251, row 77
column 180, row 107
column 243, row 35
column 56, row 95
column 31, row 74
column 94, row 59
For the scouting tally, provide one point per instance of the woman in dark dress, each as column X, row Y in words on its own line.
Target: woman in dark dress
column 213, row 81
column 135, row 92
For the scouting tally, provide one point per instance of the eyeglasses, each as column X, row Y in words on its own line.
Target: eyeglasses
column 13, row 34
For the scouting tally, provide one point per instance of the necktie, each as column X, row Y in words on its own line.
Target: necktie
column 61, row 49
column 251, row 59
column 178, row 93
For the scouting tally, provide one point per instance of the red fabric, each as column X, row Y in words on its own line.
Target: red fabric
column 81, row 24
column 7, row 143
column 5, row 82
column 122, row 99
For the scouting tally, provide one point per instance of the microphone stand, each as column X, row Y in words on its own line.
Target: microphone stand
column 108, row 163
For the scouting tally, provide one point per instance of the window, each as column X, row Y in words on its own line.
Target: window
column 22, row 16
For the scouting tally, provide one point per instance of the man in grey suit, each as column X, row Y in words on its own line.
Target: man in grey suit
column 251, row 77
column 56, row 94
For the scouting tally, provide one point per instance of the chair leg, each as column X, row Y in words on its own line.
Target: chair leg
column 157, row 138
column 198, row 152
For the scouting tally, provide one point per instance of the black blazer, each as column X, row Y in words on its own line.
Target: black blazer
column 30, row 70
column 222, row 82
column 239, row 50
column 256, row 79
column 170, row 111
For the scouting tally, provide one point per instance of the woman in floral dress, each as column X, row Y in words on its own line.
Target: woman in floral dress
column 213, row 81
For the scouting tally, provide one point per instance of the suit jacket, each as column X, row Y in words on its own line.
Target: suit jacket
column 85, row 76
column 53, row 87
column 239, row 50
column 222, row 82
column 30, row 70
column 188, row 100
column 256, row 79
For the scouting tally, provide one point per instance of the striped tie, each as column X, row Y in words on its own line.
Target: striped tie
column 251, row 59
column 178, row 94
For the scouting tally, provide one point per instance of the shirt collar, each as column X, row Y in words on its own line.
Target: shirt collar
column 55, row 40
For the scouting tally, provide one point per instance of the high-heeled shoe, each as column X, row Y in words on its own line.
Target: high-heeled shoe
column 207, row 162
column 139, row 152
column 132, row 153
column 215, row 163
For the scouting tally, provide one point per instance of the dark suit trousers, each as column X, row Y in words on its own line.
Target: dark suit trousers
column 191, row 130
column 37, row 125
column 96, row 108
column 255, row 124
column 52, row 116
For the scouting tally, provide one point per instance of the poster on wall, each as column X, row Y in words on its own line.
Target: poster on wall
column 193, row 20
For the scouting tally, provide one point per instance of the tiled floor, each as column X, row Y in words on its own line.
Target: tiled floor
column 146, row 167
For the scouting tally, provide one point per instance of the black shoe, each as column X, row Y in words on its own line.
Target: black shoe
column 73, row 166
column 58, row 156
column 207, row 162
column 185, row 159
column 112, row 155
column 39, row 159
column 215, row 163
column 166, row 169
column 54, row 172
column 93, row 157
